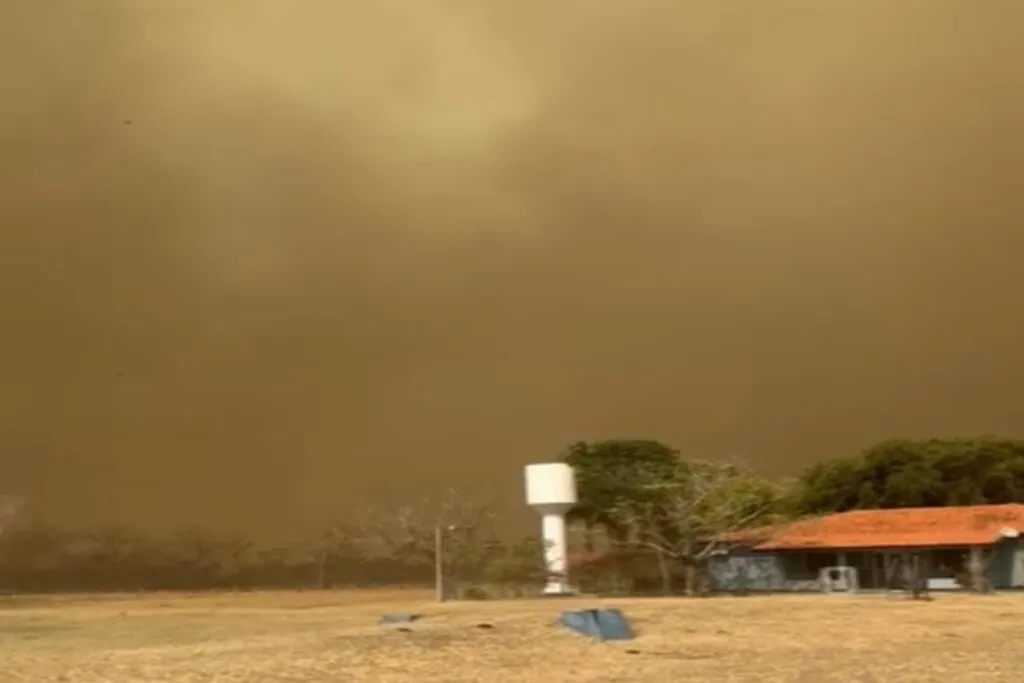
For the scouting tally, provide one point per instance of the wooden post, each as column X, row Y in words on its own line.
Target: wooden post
column 919, row 572
column 978, row 570
column 439, row 562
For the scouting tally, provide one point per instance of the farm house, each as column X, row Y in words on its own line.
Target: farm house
column 877, row 544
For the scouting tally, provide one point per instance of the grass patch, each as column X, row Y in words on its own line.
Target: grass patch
column 334, row 636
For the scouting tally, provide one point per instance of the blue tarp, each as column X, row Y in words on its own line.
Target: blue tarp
column 601, row 624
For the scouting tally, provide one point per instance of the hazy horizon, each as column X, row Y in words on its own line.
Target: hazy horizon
column 271, row 264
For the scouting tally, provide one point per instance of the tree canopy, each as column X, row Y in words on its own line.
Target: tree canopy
column 916, row 473
column 619, row 476
column 648, row 496
column 608, row 472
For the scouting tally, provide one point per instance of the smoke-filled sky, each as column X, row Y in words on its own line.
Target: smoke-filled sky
column 267, row 263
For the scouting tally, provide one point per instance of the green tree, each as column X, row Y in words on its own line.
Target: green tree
column 608, row 472
column 916, row 473
column 683, row 518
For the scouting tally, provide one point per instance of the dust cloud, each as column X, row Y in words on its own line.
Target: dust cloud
column 268, row 263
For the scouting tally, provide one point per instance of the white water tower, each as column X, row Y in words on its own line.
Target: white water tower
column 551, row 491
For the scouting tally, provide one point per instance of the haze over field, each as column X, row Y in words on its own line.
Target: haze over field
column 267, row 263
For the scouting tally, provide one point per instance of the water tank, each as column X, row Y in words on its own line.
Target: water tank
column 550, row 487
column 551, row 491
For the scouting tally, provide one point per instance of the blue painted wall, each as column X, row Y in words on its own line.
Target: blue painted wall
column 743, row 571
column 1007, row 570
column 739, row 572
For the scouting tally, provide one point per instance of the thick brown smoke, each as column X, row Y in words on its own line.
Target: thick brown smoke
column 269, row 262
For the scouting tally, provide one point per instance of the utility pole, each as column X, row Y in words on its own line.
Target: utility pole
column 440, row 531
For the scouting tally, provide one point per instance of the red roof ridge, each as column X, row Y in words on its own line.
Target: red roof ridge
column 918, row 508
column 951, row 526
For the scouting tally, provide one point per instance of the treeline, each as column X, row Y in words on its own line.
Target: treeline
column 646, row 495
column 648, row 519
column 395, row 547
column 892, row 473
column 916, row 473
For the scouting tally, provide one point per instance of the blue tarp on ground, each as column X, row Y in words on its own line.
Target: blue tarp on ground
column 602, row 624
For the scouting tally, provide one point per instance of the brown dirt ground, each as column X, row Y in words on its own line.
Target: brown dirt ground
column 312, row 637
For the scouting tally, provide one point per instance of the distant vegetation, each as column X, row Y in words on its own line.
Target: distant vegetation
column 916, row 473
column 643, row 495
column 648, row 518
column 394, row 547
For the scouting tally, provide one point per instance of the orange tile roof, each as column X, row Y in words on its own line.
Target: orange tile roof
column 891, row 528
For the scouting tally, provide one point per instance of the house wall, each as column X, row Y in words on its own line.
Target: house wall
column 1007, row 570
column 739, row 572
column 1017, row 571
column 744, row 571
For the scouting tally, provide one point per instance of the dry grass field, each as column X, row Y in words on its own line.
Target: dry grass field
column 312, row 637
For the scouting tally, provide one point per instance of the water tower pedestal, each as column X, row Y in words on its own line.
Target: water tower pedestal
column 551, row 491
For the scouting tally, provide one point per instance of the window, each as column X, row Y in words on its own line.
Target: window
column 803, row 566
column 948, row 564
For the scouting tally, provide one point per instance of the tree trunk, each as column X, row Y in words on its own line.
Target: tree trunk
column 666, row 574
column 620, row 545
column 691, row 569
column 974, row 569
column 588, row 537
column 919, row 574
